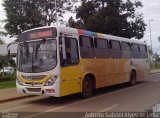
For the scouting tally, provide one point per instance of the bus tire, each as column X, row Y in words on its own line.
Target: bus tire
column 87, row 87
column 133, row 78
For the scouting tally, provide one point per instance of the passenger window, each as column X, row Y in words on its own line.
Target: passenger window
column 101, row 43
column 86, row 47
column 135, row 47
column 115, row 50
column 143, row 50
column 125, row 46
column 115, row 45
column 86, row 41
column 126, row 50
column 72, row 56
column 135, row 51
column 101, row 48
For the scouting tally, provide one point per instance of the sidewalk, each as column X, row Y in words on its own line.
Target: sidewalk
column 10, row 94
column 155, row 71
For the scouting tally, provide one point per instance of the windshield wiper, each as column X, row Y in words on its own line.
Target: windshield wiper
column 38, row 46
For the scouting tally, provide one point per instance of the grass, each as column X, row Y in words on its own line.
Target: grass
column 9, row 84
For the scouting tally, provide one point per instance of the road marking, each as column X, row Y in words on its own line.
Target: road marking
column 109, row 108
column 15, row 108
column 75, row 103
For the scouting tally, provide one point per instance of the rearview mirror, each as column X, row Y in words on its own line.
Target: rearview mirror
column 9, row 53
column 8, row 50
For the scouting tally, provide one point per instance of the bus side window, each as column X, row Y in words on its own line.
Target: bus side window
column 115, row 49
column 135, row 51
column 143, row 50
column 126, row 50
column 72, row 56
column 101, row 48
column 86, row 47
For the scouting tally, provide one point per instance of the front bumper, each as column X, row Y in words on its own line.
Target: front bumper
column 39, row 90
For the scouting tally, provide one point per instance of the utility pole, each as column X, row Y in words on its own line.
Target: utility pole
column 151, row 42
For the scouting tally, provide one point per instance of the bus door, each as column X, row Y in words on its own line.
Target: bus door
column 70, row 67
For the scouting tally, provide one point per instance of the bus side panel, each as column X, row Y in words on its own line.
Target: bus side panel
column 108, row 77
column 111, row 71
column 123, row 70
column 142, row 68
column 137, row 66
column 97, row 67
column 146, row 68
column 72, row 77
column 119, row 71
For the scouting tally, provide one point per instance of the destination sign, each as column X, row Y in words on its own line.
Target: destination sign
column 38, row 34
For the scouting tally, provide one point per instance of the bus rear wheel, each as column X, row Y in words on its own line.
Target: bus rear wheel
column 132, row 81
column 87, row 87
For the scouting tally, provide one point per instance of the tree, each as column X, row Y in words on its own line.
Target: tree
column 26, row 14
column 114, row 17
column 21, row 15
column 157, row 57
column 73, row 23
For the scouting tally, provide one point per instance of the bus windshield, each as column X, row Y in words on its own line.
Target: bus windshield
column 37, row 56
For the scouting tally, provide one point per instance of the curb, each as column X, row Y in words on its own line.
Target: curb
column 154, row 72
column 16, row 98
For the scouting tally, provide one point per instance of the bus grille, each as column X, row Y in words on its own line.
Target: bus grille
column 34, row 89
column 38, row 77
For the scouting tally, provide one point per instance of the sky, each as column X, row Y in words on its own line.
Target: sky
column 150, row 10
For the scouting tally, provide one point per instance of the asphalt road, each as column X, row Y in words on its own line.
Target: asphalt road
column 119, row 98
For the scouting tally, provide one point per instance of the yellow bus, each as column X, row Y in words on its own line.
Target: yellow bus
column 59, row 61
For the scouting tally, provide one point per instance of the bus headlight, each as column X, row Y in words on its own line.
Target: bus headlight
column 51, row 81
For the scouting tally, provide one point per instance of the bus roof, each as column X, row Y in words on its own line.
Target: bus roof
column 68, row 30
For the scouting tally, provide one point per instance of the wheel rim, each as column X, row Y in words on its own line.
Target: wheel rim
column 133, row 78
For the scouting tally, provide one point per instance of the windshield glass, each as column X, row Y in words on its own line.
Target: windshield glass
column 37, row 56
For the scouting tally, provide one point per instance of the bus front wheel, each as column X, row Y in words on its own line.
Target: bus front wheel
column 87, row 87
column 132, row 78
